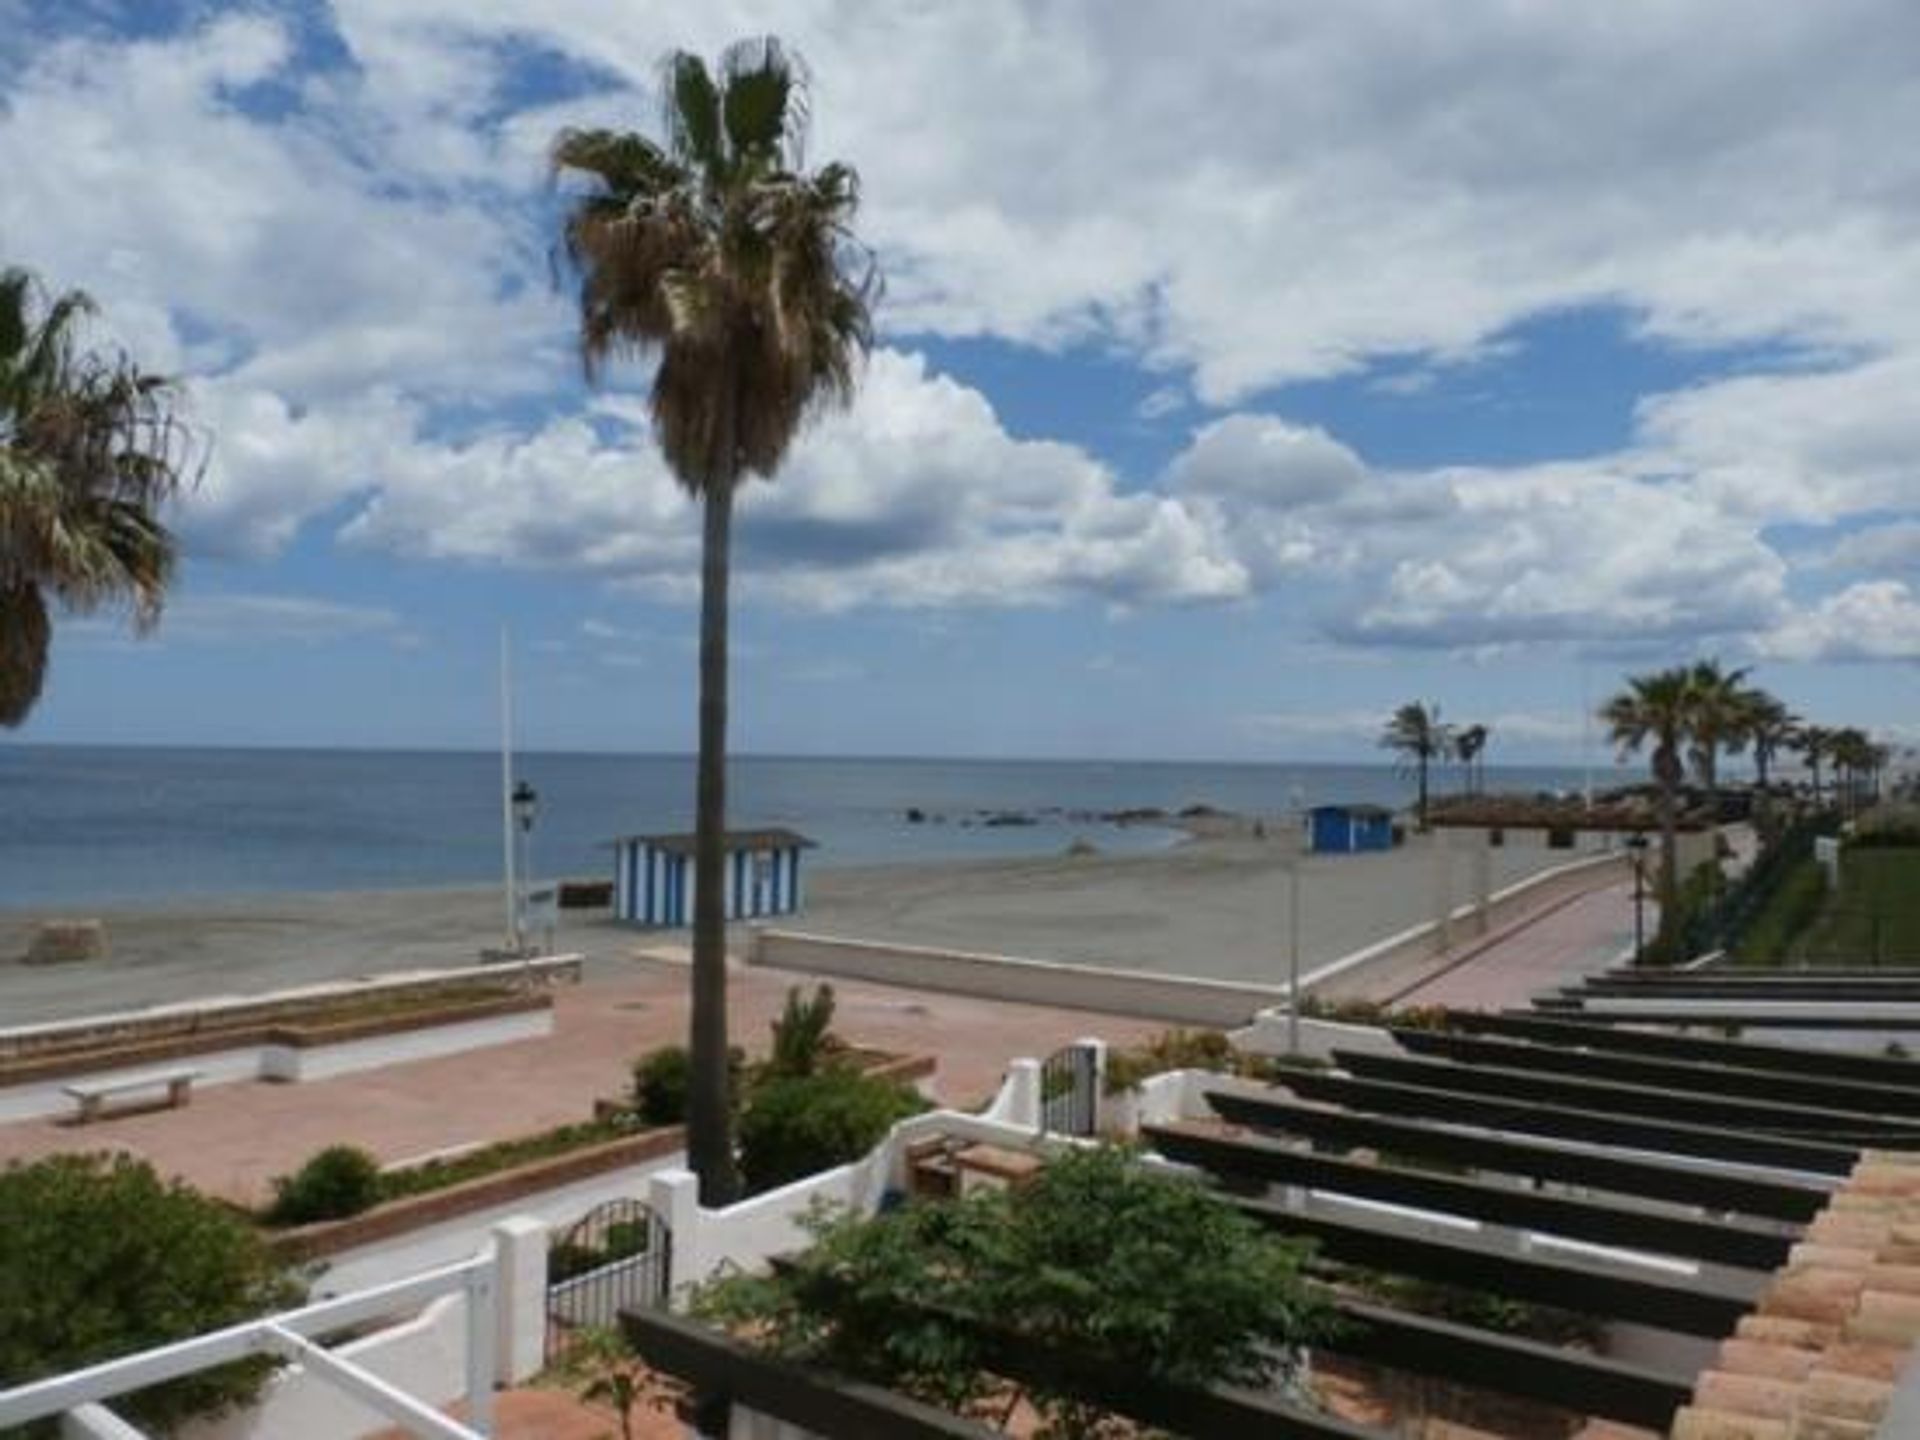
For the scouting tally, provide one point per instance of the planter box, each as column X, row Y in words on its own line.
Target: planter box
column 414, row 1212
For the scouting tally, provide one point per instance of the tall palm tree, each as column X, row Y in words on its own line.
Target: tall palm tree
column 1657, row 710
column 91, row 447
column 1468, row 743
column 1717, row 724
column 1417, row 734
column 716, row 250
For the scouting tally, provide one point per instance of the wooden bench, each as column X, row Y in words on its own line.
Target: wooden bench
column 92, row 1095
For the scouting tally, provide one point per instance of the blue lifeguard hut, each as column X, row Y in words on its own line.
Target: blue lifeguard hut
column 653, row 876
column 1349, row 829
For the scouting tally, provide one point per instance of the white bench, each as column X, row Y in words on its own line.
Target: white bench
column 93, row 1094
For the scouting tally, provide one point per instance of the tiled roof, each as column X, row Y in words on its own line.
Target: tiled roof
column 1817, row 1360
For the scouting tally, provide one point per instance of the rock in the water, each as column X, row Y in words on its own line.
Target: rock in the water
column 1082, row 846
column 915, row 815
column 60, row 942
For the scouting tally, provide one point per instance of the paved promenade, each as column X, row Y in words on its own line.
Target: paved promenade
column 234, row 1138
column 1579, row 938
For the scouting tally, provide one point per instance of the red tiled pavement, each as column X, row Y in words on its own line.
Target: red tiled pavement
column 234, row 1138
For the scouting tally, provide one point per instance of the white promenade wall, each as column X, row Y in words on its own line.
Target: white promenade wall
column 271, row 1061
column 1176, row 999
column 1182, row 1000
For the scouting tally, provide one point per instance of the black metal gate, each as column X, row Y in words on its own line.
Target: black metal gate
column 619, row 1256
column 1068, row 1091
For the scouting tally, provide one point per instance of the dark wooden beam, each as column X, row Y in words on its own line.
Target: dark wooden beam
column 1508, row 1365
column 717, row 1364
column 1719, row 1240
column 1770, row 1196
column 1748, row 1054
column 1851, row 1096
column 1685, row 1106
column 1566, row 1123
column 1706, row 1304
column 1831, row 1018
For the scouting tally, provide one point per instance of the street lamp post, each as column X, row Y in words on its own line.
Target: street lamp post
column 1637, row 847
column 526, row 805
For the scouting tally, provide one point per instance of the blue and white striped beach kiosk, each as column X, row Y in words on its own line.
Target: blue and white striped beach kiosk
column 653, row 876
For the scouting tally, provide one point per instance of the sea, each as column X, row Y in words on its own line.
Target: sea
column 123, row 824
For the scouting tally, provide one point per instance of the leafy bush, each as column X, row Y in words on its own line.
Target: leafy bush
column 660, row 1084
column 336, row 1182
column 1888, row 826
column 663, row 1078
column 798, row 1126
column 1169, row 1050
column 1096, row 1259
column 803, row 1035
column 100, row 1257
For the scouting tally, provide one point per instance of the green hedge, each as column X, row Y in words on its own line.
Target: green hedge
column 798, row 1125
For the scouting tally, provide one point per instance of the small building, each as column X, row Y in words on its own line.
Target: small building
column 1349, row 829
column 653, row 876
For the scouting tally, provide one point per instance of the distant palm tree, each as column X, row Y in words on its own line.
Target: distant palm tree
column 1717, row 723
column 719, row 252
column 1770, row 727
column 1657, row 711
column 1468, row 743
column 1416, row 733
column 1855, row 759
column 90, row 448
column 1815, row 743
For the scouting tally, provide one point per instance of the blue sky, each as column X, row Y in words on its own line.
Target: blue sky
column 1242, row 373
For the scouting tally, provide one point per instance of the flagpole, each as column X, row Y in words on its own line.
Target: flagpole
column 506, row 788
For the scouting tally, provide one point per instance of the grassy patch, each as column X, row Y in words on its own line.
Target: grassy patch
column 1793, row 906
column 1874, row 917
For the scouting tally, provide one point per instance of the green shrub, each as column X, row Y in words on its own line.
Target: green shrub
column 100, row 1257
column 660, row 1084
column 663, row 1079
column 797, row 1126
column 1098, row 1257
column 803, row 1035
column 336, row 1182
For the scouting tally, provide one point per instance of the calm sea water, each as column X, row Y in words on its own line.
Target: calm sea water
column 102, row 824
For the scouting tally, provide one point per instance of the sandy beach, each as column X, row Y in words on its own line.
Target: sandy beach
column 1215, row 906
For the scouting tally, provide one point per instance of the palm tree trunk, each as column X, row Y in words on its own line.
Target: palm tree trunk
column 1423, row 791
column 1668, row 772
column 709, row 1119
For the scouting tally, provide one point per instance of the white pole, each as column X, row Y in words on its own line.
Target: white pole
column 1293, row 957
column 506, row 789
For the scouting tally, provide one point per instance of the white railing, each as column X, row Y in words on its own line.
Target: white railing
column 292, row 1336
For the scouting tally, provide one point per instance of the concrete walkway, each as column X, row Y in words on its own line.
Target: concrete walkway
column 1557, row 947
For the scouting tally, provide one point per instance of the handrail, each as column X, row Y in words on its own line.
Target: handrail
column 269, row 1334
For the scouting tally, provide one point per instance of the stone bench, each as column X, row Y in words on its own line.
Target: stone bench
column 92, row 1095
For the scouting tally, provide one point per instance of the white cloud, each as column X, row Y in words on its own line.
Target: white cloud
column 1879, row 548
column 357, row 281
column 916, row 497
column 1874, row 620
column 239, row 618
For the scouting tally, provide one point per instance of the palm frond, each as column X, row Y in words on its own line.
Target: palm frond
column 25, row 635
